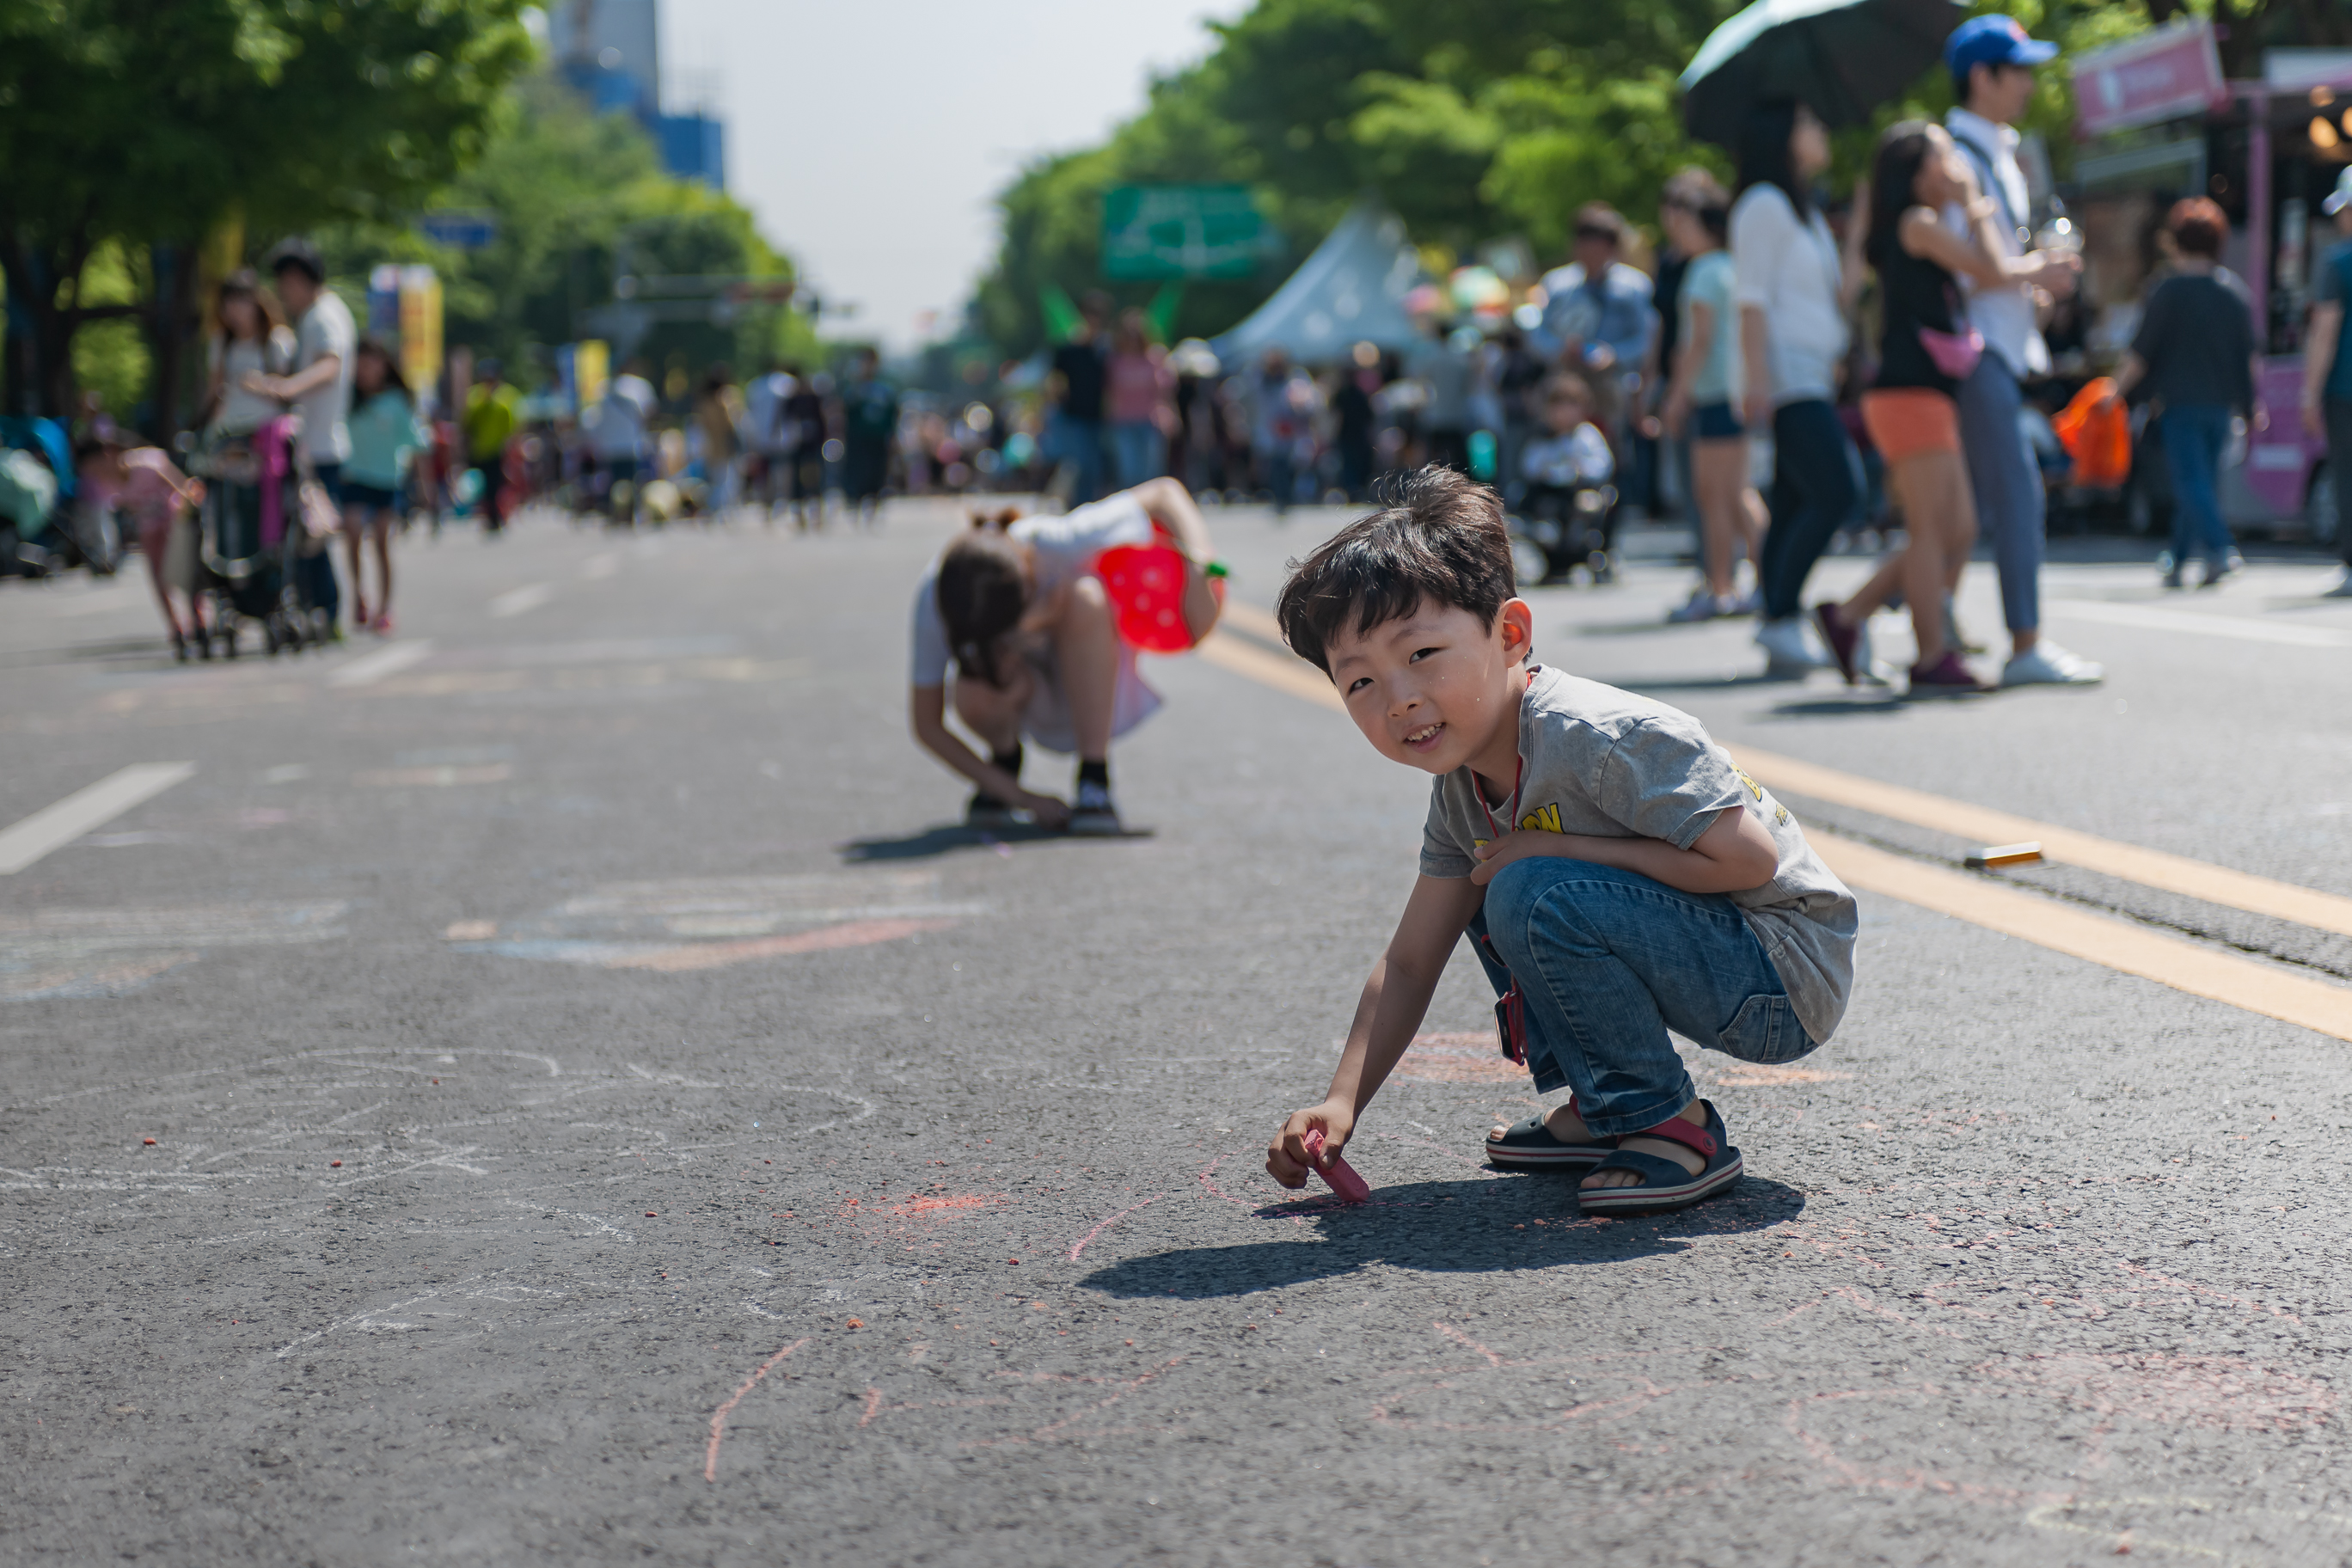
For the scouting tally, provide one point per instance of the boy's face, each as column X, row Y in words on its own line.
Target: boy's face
column 1430, row 690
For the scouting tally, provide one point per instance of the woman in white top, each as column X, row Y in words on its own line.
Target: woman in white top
column 1793, row 293
column 252, row 341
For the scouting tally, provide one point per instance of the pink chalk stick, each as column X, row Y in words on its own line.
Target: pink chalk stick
column 1342, row 1180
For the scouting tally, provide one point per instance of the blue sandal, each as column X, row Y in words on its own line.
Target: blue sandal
column 1529, row 1146
column 1665, row 1185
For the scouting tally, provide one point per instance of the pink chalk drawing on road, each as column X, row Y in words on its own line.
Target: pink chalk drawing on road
column 1081, row 1245
column 719, row 1416
column 718, row 955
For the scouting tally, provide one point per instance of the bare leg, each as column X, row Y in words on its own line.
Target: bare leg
column 1942, row 516
column 994, row 713
column 1882, row 586
column 1753, row 521
column 1086, row 647
column 354, row 527
column 154, row 544
column 381, row 534
column 1719, row 473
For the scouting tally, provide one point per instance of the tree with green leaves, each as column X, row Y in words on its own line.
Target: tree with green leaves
column 577, row 199
column 143, row 125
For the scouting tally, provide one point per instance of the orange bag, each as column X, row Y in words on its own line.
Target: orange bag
column 2097, row 433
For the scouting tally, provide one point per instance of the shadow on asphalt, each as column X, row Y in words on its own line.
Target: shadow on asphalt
column 1841, row 707
column 1512, row 1225
column 123, row 653
column 948, row 837
column 1708, row 682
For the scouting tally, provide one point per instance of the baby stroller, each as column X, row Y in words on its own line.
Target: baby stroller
column 252, row 530
column 1569, row 511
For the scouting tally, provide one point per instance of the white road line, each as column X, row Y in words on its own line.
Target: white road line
column 54, row 827
column 390, row 659
column 515, row 601
column 2245, row 628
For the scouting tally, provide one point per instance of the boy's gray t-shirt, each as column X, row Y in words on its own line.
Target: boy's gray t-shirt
column 1611, row 764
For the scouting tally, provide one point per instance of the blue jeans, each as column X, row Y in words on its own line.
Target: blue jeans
column 1609, row 960
column 1141, row 451
column 1275, row 470
column 1079, row 442
column 2194, row 436
column 1816, row 482
column 2012, row 507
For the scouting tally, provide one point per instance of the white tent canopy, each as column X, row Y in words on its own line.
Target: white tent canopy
column 1351, row 290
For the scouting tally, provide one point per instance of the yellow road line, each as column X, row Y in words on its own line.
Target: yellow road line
column 1258, row 623
column 2119, row 944
column 2149, row 867
column 1283, row 671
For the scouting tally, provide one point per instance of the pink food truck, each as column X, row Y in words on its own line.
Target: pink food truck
column 2157, row 122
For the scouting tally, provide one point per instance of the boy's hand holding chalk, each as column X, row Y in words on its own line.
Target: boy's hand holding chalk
column 1337, row 1171
column 1311, row 1141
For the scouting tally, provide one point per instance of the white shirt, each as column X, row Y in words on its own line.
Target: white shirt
column 326, row 329
column 1789, row 268
column 2004, row 316
column 763, row 403
column 616, row 425
column 1061, row 549
column 242, row 412
column 1579, row 456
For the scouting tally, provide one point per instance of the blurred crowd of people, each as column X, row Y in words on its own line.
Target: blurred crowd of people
column 1780, row 371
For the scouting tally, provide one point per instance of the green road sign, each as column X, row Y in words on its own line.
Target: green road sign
column 1182, row 231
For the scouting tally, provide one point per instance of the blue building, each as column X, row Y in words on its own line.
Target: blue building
column 610, row 51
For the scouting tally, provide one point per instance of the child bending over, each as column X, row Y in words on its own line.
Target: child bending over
column 144, row 482
column 1619, row 876
column 1015, row 607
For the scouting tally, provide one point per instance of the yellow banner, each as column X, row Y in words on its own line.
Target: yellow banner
column 592, row 371
column 420, row 328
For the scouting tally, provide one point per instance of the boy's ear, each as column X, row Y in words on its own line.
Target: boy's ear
column 1516, row 623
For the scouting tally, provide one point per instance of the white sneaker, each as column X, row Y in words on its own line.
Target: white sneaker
column 2050, row 665
column 1784, row 645
column 2342, row 590
column 1867, row 670
column 1702, row 605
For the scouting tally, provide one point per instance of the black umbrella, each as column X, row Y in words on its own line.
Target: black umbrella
column 1841, row 59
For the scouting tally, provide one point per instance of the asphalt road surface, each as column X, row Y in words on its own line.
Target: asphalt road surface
column 556, row 1087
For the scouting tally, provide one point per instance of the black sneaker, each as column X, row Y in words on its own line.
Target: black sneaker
column 1093, row 813
column 988, row 814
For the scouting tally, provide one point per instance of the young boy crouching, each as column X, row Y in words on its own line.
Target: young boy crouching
column 1619, row 876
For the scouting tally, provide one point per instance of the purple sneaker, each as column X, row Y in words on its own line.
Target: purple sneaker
column 1947, row 676
column 1842, row 639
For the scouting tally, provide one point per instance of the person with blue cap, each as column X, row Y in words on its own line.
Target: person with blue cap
column 1991, row 60
column 2327, row 366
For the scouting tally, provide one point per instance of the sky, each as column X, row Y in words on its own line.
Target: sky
column 869, row 136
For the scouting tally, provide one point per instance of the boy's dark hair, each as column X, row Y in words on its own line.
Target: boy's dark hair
column 297, row 256
column 983, row 591
column 1439, row 536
